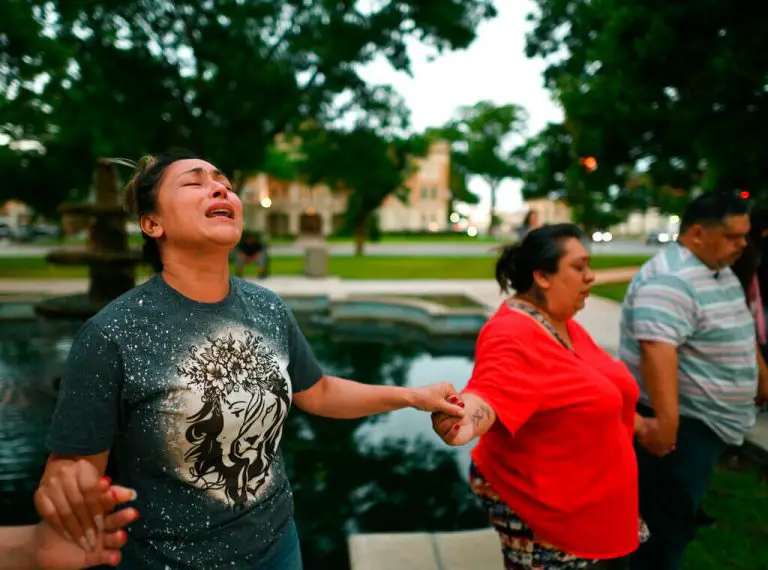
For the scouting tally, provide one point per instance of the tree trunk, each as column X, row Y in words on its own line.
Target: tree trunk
column 360, row 234
column 492, row 223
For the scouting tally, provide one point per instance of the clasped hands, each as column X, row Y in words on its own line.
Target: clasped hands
column 79, row 529
column 654, row 437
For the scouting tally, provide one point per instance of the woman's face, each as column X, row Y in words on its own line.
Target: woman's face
column 195, row 207
column 567, row 290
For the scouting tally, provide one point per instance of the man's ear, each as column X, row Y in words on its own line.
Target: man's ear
column 696, row 233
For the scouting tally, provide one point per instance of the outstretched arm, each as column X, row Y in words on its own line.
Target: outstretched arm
column 334, row 397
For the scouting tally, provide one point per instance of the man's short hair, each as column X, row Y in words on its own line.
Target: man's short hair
column 712, row 208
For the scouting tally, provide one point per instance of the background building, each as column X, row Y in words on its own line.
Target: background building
column 289, row 208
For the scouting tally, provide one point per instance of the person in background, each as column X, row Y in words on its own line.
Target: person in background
column 751, row 272
column 531, row 222
column 555, row 414
column 689, row 339
column 41, row 547
column 252, row 250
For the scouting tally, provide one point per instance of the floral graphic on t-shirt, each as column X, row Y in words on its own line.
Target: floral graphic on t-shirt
column 245, row 398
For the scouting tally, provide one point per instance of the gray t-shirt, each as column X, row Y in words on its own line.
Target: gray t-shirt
column 191, row 399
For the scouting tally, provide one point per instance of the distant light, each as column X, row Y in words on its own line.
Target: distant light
column 589, row 163
column 674, row 219
column 598, row 237
column 471, row 231
column 744, row 194
column 454, row 218
column 266, row 202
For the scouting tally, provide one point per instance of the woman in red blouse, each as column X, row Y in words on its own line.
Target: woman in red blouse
column 555, row 415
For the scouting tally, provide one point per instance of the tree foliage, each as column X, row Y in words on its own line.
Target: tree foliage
column 222, row 77
column 481, row 135
column 677, row 88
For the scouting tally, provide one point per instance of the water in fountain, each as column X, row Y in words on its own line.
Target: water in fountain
column 388, row 473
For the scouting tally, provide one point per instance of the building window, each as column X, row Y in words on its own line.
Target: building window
column 424, row 193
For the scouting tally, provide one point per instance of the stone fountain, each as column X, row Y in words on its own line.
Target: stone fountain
column 111, row 262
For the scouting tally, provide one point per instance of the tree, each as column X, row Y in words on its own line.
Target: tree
column 363, row 162
column 483, row 135
column 551, row 169
column 694, row 118
column 222, row 77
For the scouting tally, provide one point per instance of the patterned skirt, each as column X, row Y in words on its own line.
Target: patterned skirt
column 520, row 549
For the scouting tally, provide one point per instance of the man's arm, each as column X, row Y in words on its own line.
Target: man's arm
column 762, row 379
column 658, row 365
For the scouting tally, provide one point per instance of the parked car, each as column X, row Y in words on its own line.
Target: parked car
column 656, row 237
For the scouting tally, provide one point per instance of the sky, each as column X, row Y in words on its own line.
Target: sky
column 493, row 68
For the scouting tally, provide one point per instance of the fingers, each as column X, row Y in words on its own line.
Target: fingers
column 455, row 410
column 116, row 495
column 59, row 503
column 114, row 540
column 120, row 519
column 47, row 511
column 78, row 501
column 107, row 557
column 91, row 486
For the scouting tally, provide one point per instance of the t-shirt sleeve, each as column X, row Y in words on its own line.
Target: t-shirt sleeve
column 505, row 377
column 303, row 367
column 663, row 310
column 86, row 417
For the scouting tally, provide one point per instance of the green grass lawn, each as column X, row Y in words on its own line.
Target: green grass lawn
column 344, row 267
column 613, row 291
column 738, row 500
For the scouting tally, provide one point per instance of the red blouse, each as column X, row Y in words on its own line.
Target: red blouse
column 560, row 453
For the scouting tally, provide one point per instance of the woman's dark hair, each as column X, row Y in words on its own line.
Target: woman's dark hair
column 140, row 194
column 540, row 250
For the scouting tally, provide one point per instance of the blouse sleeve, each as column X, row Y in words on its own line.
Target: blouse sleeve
column 505, row 375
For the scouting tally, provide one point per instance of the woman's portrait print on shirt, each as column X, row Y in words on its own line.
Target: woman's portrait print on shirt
column 244, row 397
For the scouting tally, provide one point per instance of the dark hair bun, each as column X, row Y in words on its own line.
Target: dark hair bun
column 540, row 250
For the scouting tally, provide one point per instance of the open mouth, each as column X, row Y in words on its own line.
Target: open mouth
column 220, row 211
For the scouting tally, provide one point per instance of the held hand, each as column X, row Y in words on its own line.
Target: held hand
column 653, row 439
column 438, row 398
column 453, row 431
column 70, row 502
column 54, row 552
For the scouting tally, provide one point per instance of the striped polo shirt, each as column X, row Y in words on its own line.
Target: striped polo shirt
column 675, row 298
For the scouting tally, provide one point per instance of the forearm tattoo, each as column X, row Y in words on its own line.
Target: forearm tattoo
column 480, row 414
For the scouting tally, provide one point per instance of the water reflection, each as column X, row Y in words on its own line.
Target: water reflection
column 388, row 473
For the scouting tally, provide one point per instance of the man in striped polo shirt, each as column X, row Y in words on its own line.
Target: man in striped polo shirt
column 689, row 339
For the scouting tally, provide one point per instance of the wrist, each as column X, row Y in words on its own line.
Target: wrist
column 407, row 397
column 20, row 548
